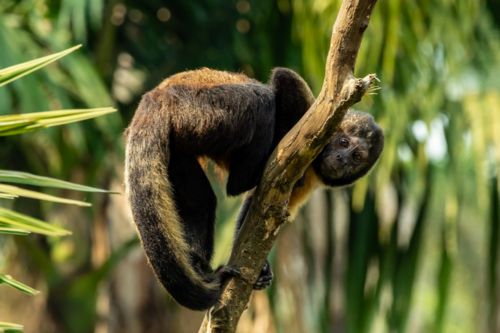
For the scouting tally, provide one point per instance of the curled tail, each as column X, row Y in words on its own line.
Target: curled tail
column 155, row 210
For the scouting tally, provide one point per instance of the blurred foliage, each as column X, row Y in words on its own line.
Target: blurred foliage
column 14, row 223
column 426, row 208
column 414, row 247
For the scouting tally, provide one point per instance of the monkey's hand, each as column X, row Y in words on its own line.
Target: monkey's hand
column 265, row 277
column 226, row 271
column 264, row 280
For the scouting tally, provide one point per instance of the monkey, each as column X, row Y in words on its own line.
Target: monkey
column 236, row 121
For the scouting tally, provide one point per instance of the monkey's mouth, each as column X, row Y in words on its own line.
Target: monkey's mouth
column 332, row 169
column 338, row 172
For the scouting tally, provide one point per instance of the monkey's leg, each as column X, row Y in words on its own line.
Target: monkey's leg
column 266, row 274
column 247, row 162
column 195, row 202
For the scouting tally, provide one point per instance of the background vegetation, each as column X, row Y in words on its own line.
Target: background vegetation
column 414, row 247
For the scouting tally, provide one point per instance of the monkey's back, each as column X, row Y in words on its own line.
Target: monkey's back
column 218, row 111
column 205, row 78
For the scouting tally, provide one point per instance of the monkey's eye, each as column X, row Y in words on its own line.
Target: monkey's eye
column 356, row 157
column 344, row 142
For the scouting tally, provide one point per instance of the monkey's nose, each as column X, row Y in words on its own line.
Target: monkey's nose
column 341, row 159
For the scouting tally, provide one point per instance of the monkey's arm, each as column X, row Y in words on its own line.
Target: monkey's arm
column 293, row 98
column 266, row 274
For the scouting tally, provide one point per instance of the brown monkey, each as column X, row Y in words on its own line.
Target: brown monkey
column 235, row 121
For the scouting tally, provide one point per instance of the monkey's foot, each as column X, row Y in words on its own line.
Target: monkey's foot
column 265, row 277
column 226, row 271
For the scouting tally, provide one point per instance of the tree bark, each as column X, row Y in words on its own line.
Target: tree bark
column 295, row 152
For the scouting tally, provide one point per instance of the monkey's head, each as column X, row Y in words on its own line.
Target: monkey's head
column 352, row 151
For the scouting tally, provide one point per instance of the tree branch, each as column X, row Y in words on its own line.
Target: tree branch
column 290, row 159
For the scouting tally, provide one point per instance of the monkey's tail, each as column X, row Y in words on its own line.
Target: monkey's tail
column 154, row 210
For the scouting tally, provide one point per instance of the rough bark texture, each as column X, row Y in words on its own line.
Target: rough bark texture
column 295, row 152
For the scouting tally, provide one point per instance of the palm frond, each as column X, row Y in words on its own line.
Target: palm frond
column 12, row 219
column 27, row 122
column 15, row 72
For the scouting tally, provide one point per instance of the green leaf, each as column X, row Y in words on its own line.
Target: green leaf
column 10, row 327
column 7, row 279
column 17, row 177
column 12, row 219
column 21, row 192
column 27, row 122
column 15, row 72
column 13, row 231
column 9, row 125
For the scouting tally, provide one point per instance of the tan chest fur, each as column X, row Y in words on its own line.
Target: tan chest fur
column 301, row 193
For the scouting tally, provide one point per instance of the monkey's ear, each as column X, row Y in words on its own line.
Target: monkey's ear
column 293, row 98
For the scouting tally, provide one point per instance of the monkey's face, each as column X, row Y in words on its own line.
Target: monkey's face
column 351, row 151
column 344, row 159
column 344, row 155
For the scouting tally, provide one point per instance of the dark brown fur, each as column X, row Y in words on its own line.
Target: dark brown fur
column 229, row 118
